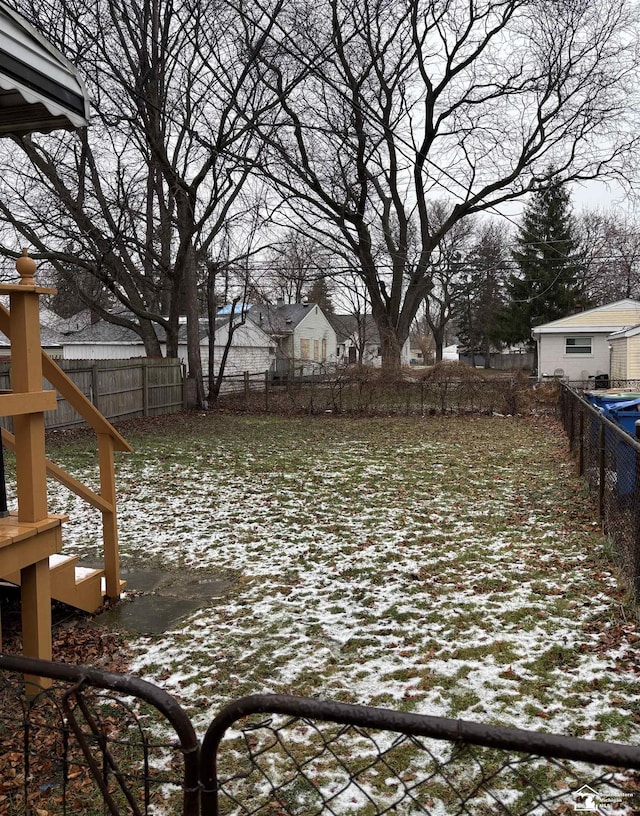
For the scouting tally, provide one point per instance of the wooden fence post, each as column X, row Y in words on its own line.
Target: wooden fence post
column 145, row 388
column 95, row 396
column 266, row 391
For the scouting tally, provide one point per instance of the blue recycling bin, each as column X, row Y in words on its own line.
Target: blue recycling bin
column 625, row 468
column 603, row 399
column 625, row 413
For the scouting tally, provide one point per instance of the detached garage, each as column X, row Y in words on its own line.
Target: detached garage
column 577, row 347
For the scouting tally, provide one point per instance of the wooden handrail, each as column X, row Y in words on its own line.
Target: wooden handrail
column 70, row 391
column 109, row 440
column 60, row 475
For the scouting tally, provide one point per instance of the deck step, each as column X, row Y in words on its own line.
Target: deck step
column 81, row 587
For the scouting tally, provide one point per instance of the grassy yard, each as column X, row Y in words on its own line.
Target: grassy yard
column 448, row 566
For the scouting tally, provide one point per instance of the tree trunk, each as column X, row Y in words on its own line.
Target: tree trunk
column 150, row 339
column 194, row 360
column 391, row 351
column 186, row 264
column 438, row 338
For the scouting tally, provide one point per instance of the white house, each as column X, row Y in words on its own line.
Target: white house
column 304, row 337
column 577, row 347
column 358, row 341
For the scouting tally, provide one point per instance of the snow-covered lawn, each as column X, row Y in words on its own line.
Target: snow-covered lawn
column 449, row 566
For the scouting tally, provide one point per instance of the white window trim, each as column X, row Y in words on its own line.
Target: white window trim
column 578, row 354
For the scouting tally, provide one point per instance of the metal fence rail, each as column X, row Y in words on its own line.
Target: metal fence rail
column 270, row 754
column 609, row 460
column 99, row 743
column 93, row 743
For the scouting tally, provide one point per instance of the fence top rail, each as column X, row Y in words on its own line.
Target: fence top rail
column 626, row 437
column 124, row 683
column 488, row 736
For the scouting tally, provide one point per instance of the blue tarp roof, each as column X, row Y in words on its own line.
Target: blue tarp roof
column 226, row 310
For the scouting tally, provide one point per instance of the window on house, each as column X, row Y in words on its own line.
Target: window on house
column 577, row 345
column 305, row 349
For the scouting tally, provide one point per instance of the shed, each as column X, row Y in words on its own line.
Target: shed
column 625, row 354
column 251, row 349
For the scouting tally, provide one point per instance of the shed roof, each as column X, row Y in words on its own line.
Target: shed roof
column 628, row 331
column 39, row 88
column 112, row 334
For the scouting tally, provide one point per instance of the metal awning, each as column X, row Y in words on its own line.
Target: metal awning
column 39, row 88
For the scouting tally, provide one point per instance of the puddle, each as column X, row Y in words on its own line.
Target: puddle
column 157, row 600
column 147, row 614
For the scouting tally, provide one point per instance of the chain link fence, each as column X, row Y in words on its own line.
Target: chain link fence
column 97, row 743
column 92, row 743
column 286, row 756
column 449, row 389
column 609, row 460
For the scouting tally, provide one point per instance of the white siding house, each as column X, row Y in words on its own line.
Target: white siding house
column 305, row 339
column 577, row 347
column 625, row 354
column 358, row 341
column 251, row 349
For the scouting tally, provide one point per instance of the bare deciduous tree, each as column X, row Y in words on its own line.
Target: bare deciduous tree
column 611, row 244
column 139, row 199
column 384, row 106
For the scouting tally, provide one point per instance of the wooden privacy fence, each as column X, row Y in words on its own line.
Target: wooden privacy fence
column 119, row 389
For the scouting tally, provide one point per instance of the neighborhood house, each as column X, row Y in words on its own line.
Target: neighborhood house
column 578, row 347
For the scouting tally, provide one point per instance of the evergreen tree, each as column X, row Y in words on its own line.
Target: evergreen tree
column 320, row 292
column 548, row 283
column 483, row 302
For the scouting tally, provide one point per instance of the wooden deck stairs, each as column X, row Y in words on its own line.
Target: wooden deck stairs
column 81, row 587
column 31, row 539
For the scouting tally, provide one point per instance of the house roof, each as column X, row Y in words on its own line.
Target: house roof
column 603, row 319
column 111, row 334
column 282, row 319
column 39, row 88
column 346, row 326
column 49, row 338
column 102, row 333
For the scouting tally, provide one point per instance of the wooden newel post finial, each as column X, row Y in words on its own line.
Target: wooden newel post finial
column 26, row 267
